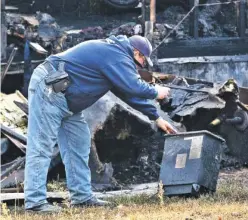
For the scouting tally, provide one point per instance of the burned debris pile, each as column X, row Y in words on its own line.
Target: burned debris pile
column 126, row 146
column 46, row 36
column 221, row 111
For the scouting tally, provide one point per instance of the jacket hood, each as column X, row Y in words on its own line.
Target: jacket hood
column 122, row 41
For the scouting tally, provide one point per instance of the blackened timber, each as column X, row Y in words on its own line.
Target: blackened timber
column 141, row 189
column 205, row 59
column 22, row 106
column 3, row 4
column 241, row 18
column 14, row 178
column 146, row 10
column 20, row 64
column 3, row 31
column 143, row 13
column 204, row 47
column 168, row 78
column 19, row 162
column 11, row 57
column 193, row 23
column 17, row 68
column 14, row 134
column 17, row 143
column 243, row 95
column 12, row 190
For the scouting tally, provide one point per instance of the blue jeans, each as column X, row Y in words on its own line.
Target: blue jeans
column 51, row 122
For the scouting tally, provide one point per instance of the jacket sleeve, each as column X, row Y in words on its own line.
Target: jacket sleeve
column 139, row 104
column 123, row 75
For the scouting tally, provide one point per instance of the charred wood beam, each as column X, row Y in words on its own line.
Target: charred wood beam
column 147, row 189
column 168, row 78
column 19, row 162
column 17, row 143
column 14, row 179
column 18, row 67
column 14, row 134
column 11, row 57
column 22, row 63
column 3, row 31
column 15, row 72
column 145, row 11
column 193, row 19
column 205, row 59
column 12, row 190
column 241, row 18
column 22, row 106
column 2, row 5
column 243, row 95
column 204, row 47
column 7, row 165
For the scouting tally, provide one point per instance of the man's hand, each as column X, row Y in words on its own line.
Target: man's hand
column 165, row 126
column 163, row 92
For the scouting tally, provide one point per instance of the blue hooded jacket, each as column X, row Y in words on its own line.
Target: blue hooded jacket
column 97, row 66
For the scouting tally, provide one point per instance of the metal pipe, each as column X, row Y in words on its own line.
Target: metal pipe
column 11, row 57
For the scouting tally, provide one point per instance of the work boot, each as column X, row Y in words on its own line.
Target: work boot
column 45, row 208
column 93, row 202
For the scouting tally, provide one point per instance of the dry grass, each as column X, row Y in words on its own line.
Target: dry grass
column 229, row 202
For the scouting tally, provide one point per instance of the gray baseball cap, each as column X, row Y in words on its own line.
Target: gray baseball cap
column 143, row 45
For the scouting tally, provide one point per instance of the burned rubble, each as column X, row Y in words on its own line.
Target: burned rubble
column 126, row 147
column 222, row 115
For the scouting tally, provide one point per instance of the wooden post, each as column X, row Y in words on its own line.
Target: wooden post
column 241, row 12
column 150, row 18
column 2, row 5
column 153, row 11
column 144, row 12
column 193, row 19
column 3, row 31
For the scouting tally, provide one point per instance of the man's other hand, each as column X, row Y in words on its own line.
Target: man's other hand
column 165, row 126
column 163, row 92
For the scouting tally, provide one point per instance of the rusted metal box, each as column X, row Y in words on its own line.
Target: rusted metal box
column 191, row 163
